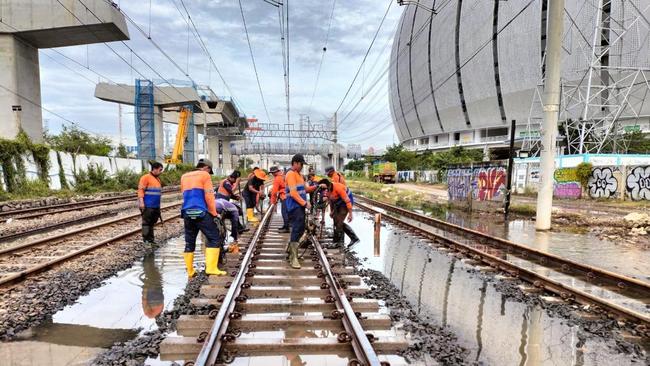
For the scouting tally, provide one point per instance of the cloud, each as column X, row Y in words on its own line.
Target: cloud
column 219, row 22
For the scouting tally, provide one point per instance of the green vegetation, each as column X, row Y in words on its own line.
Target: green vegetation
column 355, row 165
column 75, row 141
column 583, row 172
column 409, row 160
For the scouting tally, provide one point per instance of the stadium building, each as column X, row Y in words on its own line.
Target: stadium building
column 462, row 70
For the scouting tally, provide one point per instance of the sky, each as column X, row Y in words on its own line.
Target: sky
column 69, row 74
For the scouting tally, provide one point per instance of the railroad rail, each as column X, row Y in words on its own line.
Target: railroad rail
column 263, row 294
column 34, row 212
column 20, row 261
column 586, row 284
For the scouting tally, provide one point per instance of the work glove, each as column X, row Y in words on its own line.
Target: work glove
column 221, row 227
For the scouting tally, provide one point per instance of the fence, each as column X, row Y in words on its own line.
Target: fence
column 424, row 176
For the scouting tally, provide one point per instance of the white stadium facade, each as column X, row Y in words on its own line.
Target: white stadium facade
column 462, row 70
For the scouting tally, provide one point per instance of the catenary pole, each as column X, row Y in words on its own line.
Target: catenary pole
column 551, row 110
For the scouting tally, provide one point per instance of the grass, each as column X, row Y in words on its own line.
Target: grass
column 523, row 209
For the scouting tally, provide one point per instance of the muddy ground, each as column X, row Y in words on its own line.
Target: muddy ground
column 32, row 301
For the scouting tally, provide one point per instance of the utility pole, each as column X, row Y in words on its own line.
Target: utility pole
column 119, row 121
column 551, row 110
column 205, row 135
column 511, row 157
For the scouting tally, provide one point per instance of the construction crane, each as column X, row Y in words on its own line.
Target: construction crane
column 181, row 136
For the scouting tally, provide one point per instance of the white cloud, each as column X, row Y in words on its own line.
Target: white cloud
column 219, row 22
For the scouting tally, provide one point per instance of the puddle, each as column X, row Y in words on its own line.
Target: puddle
column 123, row 307
column 497, row 331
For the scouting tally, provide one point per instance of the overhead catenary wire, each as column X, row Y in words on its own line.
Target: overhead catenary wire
column 320, row 64
column 250, row 49
column 374, row 38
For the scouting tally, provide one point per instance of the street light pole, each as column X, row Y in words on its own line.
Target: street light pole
column 551, row 110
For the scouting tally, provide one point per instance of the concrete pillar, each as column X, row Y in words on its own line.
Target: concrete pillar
column 220, row 154
column 20, row 75
column 159, row 133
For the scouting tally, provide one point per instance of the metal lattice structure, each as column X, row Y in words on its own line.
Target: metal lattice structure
column 144, row 119
column 610, row 87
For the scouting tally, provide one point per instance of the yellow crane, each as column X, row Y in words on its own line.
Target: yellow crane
column 181, row 135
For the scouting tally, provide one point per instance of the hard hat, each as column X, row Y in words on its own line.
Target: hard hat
column 259, row 173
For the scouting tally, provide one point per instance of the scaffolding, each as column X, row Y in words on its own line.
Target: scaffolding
column 609, row 89
column 188, row 152
column 144, row 119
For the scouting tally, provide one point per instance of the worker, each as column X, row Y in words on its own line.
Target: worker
column 226, row 187
column 278, row 192
column 335, row 176
column 340, row 202
column 253, row 192
column 297, row 203
column 199, row 212
column 228, row 210
column 312, row 181
column 149, row 194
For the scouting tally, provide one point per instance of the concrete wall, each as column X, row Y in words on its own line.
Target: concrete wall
column 76, row 164
column 613, row 176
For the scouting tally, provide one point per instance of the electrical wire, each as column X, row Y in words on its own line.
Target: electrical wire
column 250, row 49
column 374, row 38
column 320, row 64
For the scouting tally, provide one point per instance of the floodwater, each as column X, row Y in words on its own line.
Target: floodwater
column 496, row 330
column 585, row 248
column 123, row 307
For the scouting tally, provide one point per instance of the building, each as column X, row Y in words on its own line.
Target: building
column 462, row 71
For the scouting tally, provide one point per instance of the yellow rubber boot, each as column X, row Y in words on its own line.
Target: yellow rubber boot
column 211, row 262
column 250, row 214
column 189, row 264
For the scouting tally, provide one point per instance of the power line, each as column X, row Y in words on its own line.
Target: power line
column 374, row 38
column 250, row 49
column 320, row 65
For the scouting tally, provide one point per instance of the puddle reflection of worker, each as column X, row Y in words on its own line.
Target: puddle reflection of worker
column 294, row 359
column 153, row 299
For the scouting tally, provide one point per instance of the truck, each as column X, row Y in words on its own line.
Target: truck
column 384, row 172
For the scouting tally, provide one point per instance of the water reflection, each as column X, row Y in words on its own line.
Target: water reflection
column 496, row 331
column 153, row 299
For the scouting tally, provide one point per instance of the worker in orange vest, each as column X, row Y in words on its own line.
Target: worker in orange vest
column 297, row 204
column 340, row 201
column 335, row 176
column 278, row 192
column 199, row 212
column 149, row 194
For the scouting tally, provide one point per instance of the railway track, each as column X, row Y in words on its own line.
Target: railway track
column 35, row 212
column 273, row 314
column 607, row 293
column 22, row 260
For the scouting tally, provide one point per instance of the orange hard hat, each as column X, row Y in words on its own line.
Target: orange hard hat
column 259, row 173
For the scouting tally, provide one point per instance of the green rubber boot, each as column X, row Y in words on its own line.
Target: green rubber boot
column 293, row 255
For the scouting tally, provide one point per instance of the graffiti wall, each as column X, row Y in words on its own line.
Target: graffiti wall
column 604, row 182
column 459, row 183
column 490, row 183
column 638, row 183
column 477, row 184
column 566, row 184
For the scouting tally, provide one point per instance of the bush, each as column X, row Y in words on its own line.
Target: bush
column 583, row 172
column 172, row 175
column 127, row 179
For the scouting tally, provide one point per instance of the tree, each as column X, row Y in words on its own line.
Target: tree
column 75, row 141
column 355, row 165
column 121, row 151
